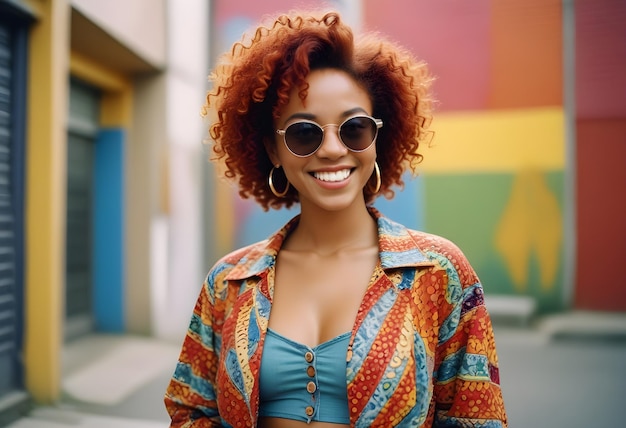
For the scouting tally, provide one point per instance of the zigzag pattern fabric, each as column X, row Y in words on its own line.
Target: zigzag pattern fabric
column 421, row 352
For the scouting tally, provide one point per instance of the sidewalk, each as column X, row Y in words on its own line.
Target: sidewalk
column 119, row 381
column 585, row 325
column 47, row 417
column 520, row 312
column 110, row 381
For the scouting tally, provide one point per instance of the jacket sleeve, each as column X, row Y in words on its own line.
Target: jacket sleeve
column 190, row 398
column 467, row 389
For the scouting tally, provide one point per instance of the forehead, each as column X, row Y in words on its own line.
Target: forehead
column 331, row 94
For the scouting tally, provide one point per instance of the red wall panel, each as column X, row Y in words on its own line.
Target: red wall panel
column 451, row 35
column 601, row 150
column 601, row 214
column 601, row 58
column 487, row 54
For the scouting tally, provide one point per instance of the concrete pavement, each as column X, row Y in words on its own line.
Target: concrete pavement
column 551, row 379
column 110, row 381
column 565, row 370
column 47, row 417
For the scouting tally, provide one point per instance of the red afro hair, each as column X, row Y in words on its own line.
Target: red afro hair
column 252, row 83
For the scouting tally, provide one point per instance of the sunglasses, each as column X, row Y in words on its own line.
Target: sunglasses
column 305, row 137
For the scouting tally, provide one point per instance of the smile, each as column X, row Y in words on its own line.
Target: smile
column 332, row 176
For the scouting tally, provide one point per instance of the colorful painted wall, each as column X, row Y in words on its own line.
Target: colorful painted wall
column 601, row 149
column 493, row 178
column 498, row 178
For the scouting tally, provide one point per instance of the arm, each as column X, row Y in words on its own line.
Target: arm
column 467, row 383
column 190, row 398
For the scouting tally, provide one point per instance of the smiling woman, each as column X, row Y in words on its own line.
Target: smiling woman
column 343, row 317
column 332, row 164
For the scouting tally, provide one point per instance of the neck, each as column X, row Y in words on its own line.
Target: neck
column 330, row 232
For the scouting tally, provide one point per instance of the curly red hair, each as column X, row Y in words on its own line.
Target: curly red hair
column 252, row 83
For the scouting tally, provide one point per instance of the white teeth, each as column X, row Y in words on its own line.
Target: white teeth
column 332, row 176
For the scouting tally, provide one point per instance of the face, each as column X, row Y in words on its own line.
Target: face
column 333, row 177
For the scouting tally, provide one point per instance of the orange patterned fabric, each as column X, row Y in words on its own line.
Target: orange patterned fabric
column 421, row 353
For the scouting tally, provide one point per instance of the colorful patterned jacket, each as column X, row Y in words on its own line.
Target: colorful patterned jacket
column 421, row 354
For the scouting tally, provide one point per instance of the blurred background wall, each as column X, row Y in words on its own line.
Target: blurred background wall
column 101, row 180
column 111, row 215
column 517, row 174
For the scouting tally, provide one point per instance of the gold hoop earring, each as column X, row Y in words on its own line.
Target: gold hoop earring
column 378, row 179
column 270, row 181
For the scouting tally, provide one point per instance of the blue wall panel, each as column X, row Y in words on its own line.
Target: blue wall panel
column 109, row 231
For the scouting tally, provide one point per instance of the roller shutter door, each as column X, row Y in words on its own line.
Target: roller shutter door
column 12, row 99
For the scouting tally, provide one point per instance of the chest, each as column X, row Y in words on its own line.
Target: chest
column 384, row 343
column 317, row 298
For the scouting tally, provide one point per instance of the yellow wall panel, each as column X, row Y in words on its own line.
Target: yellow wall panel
column 117, row 90
column 496, row 141
column 45, row 201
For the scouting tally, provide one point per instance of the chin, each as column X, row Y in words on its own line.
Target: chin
column 338, row 204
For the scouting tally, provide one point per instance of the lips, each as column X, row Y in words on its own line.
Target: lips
column 332, row 176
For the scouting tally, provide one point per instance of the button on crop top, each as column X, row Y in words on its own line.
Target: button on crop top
column 302, row 383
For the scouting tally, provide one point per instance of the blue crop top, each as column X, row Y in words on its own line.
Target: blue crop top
column 302, row 383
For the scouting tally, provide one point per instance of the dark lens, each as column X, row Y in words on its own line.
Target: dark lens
column 303, row 138
column 358, row 133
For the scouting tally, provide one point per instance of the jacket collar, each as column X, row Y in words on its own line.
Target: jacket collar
column 397, row 249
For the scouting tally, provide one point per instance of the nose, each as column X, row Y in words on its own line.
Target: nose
column 331, row 147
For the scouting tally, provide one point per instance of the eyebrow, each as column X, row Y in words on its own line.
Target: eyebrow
column 310, row 116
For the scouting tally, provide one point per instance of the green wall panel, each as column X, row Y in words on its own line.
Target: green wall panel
column 509, row 227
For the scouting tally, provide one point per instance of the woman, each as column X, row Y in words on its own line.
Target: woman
column 343, row 317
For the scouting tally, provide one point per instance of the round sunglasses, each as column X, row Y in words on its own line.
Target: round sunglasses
column 305, row 137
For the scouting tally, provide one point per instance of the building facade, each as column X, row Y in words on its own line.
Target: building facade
column 522, row 172
column 99, row 120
